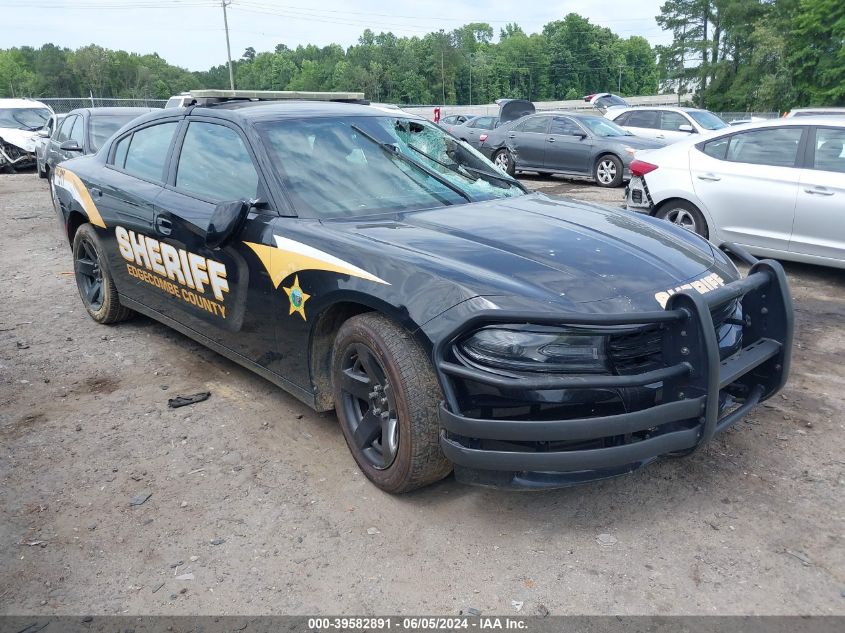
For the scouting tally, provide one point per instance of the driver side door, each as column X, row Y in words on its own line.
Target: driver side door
column 215, row 291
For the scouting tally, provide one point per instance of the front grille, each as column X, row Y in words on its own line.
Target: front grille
column 642, row 350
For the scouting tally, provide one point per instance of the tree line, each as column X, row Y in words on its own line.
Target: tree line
column 725, row 55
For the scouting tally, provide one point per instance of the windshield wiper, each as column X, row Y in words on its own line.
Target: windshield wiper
column 454, row 167
column 482, row 173
column 392, row 151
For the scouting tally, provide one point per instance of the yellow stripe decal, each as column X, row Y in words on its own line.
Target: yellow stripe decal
column 289, row 257
column 71, row 182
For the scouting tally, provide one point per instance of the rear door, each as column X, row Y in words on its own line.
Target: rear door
column 527, row 141
column 644, row 123
column 478, row 127
column 820, row 210
column 749, row 183
column 128, row 187
column 568, row 147
column 54, row 154
column 212, row 290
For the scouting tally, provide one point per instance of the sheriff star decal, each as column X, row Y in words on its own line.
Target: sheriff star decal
column 297, row 298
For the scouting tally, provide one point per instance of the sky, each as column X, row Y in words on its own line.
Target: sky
column 189, row 33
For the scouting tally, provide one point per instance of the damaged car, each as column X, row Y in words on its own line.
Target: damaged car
column 370, row 263
column 20, row 120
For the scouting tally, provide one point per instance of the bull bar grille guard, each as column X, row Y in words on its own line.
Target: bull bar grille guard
column 693, row 376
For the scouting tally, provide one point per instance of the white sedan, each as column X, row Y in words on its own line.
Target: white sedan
column 776, row 187
column 666, row 123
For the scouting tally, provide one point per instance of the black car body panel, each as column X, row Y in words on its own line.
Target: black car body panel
column 704, row 339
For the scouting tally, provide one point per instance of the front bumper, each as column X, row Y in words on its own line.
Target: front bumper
column 700, row 393
column 15, row 157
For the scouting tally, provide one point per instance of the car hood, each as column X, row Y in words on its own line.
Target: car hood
column 20, row 138
column 544, row 249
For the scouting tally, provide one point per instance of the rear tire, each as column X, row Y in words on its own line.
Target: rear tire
column 684, row 214
column 387, row 398
column 607, row 171
column 42, row 173
column 93, row 279
column 504, row 161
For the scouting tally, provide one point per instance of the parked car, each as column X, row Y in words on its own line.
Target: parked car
column 816, row 112
column 475, row 130
column 448, row 122
column 605, row 101
column 42, row 142
column 84, row 130
column 20, row 120
column 565, row 143
column 777, row 187
column 368, row 262
column 666, row 123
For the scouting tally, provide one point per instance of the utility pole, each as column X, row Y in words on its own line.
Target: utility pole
column 442, row 76
column 228, row 47
column 619, row 88
column 470, row 79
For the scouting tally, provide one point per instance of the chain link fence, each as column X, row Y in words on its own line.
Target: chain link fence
column 63, row 105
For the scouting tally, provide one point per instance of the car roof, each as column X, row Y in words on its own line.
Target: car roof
column 22, row 103
column 819, row 109
column 827, row 120
column 112, row 111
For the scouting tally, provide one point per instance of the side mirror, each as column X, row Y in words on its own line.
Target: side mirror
column 582, row 135
column 70, row 146
column 44, row 132
column 226, row 222
column 686, row 128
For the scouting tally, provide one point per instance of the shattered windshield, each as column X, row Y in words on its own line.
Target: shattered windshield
column 24, row 118
column 356, row 166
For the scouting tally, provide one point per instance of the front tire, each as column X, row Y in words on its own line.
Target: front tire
column 504, row 161
column 93, row 279
column 387, row 397
column 686, row 215
column 607, row 171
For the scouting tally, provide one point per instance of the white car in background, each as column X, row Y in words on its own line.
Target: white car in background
column 666, row 123
column 777, row 187
column 20, row 120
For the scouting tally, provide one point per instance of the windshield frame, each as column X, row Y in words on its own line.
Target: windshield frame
column 472, row 177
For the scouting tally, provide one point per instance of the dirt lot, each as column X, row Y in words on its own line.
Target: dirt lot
column 257, row 499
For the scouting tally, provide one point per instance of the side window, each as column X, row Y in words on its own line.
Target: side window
column 622, row 119
column 830, row 149
column 535, row 124
column 215, row 164
column 717, row 148
column 567, row 127
column 644, row 118
column 484, row 123
column 64, row 130
column 671, row 121
column 147, row 151
column 774, row 146
column 77, row 133
column 120, row 151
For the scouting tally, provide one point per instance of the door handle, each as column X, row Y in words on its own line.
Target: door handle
column 709, row 177
column 96, row 192
column 551, row 140
column 163, row 225
column 661, row 136
column 818, row 191
column 511, row 135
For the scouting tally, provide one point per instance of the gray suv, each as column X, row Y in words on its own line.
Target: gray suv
column 566, row 143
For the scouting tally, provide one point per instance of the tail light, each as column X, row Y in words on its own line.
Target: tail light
column 640, row 168
column 482, row 137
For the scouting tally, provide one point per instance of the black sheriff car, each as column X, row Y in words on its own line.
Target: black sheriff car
column 366, row 261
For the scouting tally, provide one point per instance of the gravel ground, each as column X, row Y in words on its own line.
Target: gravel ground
column 255, row 505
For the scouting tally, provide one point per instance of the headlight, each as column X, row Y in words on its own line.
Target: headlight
column 537, row 348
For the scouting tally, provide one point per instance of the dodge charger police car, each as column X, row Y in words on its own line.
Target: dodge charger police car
column 368, row 262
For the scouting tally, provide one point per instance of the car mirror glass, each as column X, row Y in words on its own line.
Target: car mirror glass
column 226, row 222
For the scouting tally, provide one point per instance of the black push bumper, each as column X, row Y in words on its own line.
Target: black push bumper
column 693, row 378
